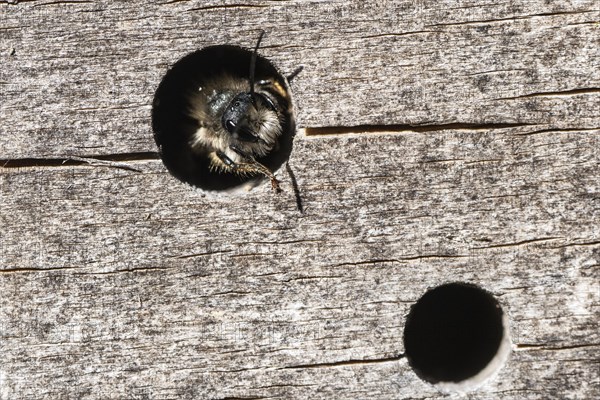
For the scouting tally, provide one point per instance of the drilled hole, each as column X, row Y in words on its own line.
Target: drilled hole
column 176, row 124
column 456, row 336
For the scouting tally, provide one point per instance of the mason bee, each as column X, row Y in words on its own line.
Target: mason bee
column 240, row 119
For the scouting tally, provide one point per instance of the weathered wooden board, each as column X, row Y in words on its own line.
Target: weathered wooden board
column 125, row 283
column 79, row 78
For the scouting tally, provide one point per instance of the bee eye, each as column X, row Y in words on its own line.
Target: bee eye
column 230, row 125
column 270, row 103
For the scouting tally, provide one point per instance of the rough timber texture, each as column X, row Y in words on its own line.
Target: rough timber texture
column 473, row 157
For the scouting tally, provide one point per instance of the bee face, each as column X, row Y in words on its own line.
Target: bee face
column 241, row 117
column 235, row 123
column 219, row 122
column 253, row 121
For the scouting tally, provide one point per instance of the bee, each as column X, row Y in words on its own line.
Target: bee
column 239, row 120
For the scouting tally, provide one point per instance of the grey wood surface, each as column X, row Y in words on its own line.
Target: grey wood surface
column 438, row 141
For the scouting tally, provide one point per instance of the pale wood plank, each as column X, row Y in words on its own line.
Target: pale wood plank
column 118, row 281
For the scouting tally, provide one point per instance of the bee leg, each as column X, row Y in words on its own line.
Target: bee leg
column 228, row 162
column 253, row 166
column 241, row 152
column 237, row 167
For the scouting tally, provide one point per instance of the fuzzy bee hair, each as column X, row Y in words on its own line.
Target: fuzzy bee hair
column 208, row 105
column 239, row 120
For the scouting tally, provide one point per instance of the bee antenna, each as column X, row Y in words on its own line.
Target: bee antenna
column 253, row 63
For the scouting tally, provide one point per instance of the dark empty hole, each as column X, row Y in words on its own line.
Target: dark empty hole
column 453, row 332
column 174, row 128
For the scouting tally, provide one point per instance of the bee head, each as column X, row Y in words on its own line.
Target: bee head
column 236, row 118
column 246, row 114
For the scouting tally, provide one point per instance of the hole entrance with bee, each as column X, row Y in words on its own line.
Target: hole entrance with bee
column 223, row 119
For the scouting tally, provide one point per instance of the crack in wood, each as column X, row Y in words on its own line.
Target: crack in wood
column 38, row 3
column 434, row 256
column 543, row 347
column 344, row 363
column 548, row 130
column 124, row 271
column 108, row 160
column 124, row 107
column 51, row 269
column 53, row 3
column 227, row 293
column 514, row 18
column 283, row 242
column 403, row 260
column 595, row 243
column 583, row 23
column 20, row 270
column 241, row 398
column 401, row 128
column 231, row 6
column 560, row 93
column 521, row 243
column 250, row 255
column 496, row 71
column 396, row 34
column 208, row 253
column 447, row 160
column 318, row 277
column 367, row 262
column 285, row 385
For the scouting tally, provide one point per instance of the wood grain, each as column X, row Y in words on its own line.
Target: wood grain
column 439, row 142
